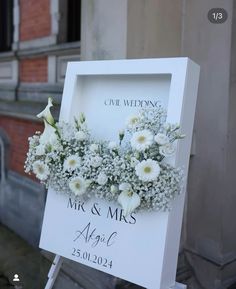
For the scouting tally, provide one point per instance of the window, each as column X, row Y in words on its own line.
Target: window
column 6, row 25
column 70, row 18
column 73, row 20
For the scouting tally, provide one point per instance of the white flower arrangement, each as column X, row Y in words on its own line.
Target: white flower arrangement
column 133, row 172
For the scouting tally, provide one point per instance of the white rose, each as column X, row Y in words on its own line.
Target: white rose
column 167, row 150
column 161, row 139
column 80, row 135
column 102, row 179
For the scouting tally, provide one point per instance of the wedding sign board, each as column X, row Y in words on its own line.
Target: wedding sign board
column 142, row 247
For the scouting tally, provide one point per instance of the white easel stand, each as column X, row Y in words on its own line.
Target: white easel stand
column 176, row 286
column 179, row 286
column 54, row 271
column 56, row 265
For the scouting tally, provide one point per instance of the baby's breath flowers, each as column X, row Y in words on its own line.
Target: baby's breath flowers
column 133, row 172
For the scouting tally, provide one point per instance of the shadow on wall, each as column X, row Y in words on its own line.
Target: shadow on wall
column 22, row 200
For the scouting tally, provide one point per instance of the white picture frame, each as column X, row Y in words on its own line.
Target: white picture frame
column 89, row 87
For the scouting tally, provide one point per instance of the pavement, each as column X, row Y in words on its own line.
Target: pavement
column 19, row 258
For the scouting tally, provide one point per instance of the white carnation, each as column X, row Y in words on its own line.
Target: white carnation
column 141, row 140
column 147, row 170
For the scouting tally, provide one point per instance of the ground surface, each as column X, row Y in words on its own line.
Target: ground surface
column 17, row 257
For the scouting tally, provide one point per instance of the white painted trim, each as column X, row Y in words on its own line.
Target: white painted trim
column 55, row 16
column 39, row 42
column 52, row 69
column 15, row 70
column 13, row 77
column 61, row 61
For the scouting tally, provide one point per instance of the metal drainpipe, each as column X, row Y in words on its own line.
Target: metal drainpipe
column 2, row 157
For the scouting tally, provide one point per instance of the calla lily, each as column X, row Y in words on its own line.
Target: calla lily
column 49, row 135
column 46, row 113
column 129, row 201
column 125, row 187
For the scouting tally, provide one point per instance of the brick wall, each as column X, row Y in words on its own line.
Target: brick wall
column 35, row 19
column 18, row 131
column 34, row 70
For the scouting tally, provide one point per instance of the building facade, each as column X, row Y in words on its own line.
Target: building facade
column 38, row 38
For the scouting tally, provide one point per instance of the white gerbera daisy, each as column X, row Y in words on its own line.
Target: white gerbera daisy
column 147, row 170
column 161, row 139
column 141, row 140
column 78, row 186
column 167, row 150
column 80, row 135
column 129, row 201
column 102, row 179
column 131, row 121
column 41, row 170
column 71, row 163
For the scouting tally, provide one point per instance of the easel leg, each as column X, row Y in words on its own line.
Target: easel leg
column 54, row 270
column 176, row 286
column 179, row 286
